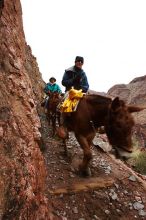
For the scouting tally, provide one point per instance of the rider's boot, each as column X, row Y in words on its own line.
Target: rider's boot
column 62, row 130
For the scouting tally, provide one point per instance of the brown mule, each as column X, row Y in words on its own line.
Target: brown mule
column 94, row 111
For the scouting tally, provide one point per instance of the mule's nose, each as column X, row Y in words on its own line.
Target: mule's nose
column 121, row 153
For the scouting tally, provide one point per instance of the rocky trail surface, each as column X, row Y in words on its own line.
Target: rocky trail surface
column 113, row 192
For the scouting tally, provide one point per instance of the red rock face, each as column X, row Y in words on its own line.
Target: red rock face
column 22, row 173
column 134, row 93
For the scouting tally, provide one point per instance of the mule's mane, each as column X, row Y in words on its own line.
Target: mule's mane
column 98, row 99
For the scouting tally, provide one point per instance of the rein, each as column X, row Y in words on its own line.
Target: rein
column 90, row 119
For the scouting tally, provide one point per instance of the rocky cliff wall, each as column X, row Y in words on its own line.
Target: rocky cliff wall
column 22, row 173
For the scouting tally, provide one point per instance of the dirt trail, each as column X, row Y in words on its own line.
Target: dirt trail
column 113, row 192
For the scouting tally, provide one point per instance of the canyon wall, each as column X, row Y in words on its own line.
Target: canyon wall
column 22, row 173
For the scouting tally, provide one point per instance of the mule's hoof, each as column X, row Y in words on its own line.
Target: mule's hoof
column 85, row 173
column 65, row 153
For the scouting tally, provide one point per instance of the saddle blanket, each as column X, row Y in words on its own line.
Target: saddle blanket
column 71, row 100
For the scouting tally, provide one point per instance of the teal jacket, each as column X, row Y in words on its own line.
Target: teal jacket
column 52, row 88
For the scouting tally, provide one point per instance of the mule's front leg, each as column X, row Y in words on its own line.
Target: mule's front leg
column 59, row 118
column 48, row 117
column 84, row 166
column 65, row 147
column 53, row 124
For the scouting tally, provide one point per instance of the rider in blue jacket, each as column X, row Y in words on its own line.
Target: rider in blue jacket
column 75, row 76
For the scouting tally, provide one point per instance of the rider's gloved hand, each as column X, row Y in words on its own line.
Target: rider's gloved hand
column 77, row 78
column 48, row 93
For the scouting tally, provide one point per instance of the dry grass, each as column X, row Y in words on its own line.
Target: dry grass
column 138, row 160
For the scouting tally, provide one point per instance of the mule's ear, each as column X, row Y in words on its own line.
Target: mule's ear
column 135, row 109
column 115, row 103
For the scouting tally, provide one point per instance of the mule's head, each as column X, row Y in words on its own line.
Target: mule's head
column 54, row 100
column 119, row 127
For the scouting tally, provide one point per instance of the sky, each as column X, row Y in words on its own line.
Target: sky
column 110, row 35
